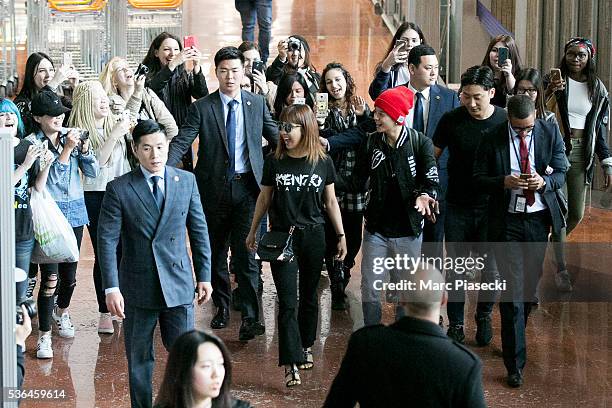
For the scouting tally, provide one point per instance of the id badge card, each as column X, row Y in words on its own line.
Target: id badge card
column 520, row 203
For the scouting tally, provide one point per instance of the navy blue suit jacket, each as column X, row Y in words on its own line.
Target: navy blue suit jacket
column 155, row 269
column 441, row 100
column 492, row 165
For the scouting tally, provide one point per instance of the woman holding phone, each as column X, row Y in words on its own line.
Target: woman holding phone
column 291, row 88
column 297, row 183
column 393, row 70
column 504, row 70
column 174, row 81
column 580, row 100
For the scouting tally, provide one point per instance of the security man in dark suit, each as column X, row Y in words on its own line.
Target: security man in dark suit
column 412, row 362
column 521, row 164
column 430, row 103
column 230, row 124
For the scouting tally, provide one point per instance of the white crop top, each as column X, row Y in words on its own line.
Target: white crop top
column 578, row 103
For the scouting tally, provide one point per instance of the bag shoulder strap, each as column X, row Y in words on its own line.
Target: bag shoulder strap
column 302, row 196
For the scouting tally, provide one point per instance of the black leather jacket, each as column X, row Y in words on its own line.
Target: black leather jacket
column 416, row 175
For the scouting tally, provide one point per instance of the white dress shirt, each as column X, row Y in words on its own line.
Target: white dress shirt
column 241, row 154
column 426, row 94
column 515, row 168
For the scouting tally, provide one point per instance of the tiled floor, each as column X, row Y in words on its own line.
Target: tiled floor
column 569, row 344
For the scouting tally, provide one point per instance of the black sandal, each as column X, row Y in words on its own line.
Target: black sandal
column 292, row 376
column 308, row 360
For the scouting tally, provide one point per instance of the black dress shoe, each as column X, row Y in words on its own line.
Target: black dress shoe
column 515, row 380
column 249, row 329
column 221, row 319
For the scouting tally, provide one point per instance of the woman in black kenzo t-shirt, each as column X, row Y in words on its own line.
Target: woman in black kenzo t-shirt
column 285, row 179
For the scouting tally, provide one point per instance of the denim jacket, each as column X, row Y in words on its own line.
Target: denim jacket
column 64, row 181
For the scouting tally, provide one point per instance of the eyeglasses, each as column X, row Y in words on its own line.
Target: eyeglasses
column 286, row 127
column 582, row 56
column 523, row 91
column 525, row 129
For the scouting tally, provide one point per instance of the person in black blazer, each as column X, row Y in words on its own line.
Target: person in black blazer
column 228, row 172
column 412, row 362
column 522, row 207
column 435, row 102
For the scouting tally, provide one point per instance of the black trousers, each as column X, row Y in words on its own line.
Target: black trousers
column 56, row 279
column 352, row 221
column 229, row 223
column 297, row 321
column 520, row 260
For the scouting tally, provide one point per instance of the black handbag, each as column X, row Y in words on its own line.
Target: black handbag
column 277, row 246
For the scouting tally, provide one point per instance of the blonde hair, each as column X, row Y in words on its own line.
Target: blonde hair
column 83, row 117
column 309, row 143
column 106, row 76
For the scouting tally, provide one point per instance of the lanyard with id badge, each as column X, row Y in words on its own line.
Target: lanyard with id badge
column 521, row 199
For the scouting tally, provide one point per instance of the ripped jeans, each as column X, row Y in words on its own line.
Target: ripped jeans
column 49, row 286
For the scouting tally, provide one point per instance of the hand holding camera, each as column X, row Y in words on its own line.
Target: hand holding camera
column 24, row 322
column 34, row 152
column 283, row 50
column 122, row 126
column 259, row 78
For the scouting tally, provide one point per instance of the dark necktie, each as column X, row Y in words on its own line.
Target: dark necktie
column 417, row 122
column 525, row 165
column 157, row 194
column 230, row 130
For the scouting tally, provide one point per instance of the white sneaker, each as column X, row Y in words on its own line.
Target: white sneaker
column 64, row 325
column 44, row 347
column 105, row 325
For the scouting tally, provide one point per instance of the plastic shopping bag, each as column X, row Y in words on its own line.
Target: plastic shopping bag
column 55, row 240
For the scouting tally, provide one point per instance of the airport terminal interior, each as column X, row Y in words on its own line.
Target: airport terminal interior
column 569, row 338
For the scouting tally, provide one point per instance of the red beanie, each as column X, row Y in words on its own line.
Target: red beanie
column 396, row 103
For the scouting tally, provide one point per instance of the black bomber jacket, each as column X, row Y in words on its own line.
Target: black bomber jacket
column 417, row 174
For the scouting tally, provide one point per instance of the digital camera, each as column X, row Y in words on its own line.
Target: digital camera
column 293, row 44
column 30, row 307
column 141, row 70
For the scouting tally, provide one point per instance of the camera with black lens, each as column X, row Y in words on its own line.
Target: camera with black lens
column 141, row 70
column 293, row 44
column 30, row 307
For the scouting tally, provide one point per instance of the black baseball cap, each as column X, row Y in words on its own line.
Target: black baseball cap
column 47, row 102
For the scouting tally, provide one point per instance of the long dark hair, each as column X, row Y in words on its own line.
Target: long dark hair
column 509, row 42
column 28, row 90
column 350, row 83
column 535, row 77
column 150, row 60
column 306, row 49
column 284, row 90
column 176, row 390
column 590, row 70
column 398, row 34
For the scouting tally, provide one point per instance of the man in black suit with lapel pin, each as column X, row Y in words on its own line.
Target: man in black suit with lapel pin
column 230, row 124
column 149, row 208
column 520, row 164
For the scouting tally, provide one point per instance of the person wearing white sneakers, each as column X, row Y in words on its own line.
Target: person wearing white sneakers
column 91, row 111
column 71, row 152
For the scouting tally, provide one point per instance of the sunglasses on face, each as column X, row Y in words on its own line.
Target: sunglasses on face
column 287, row 127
